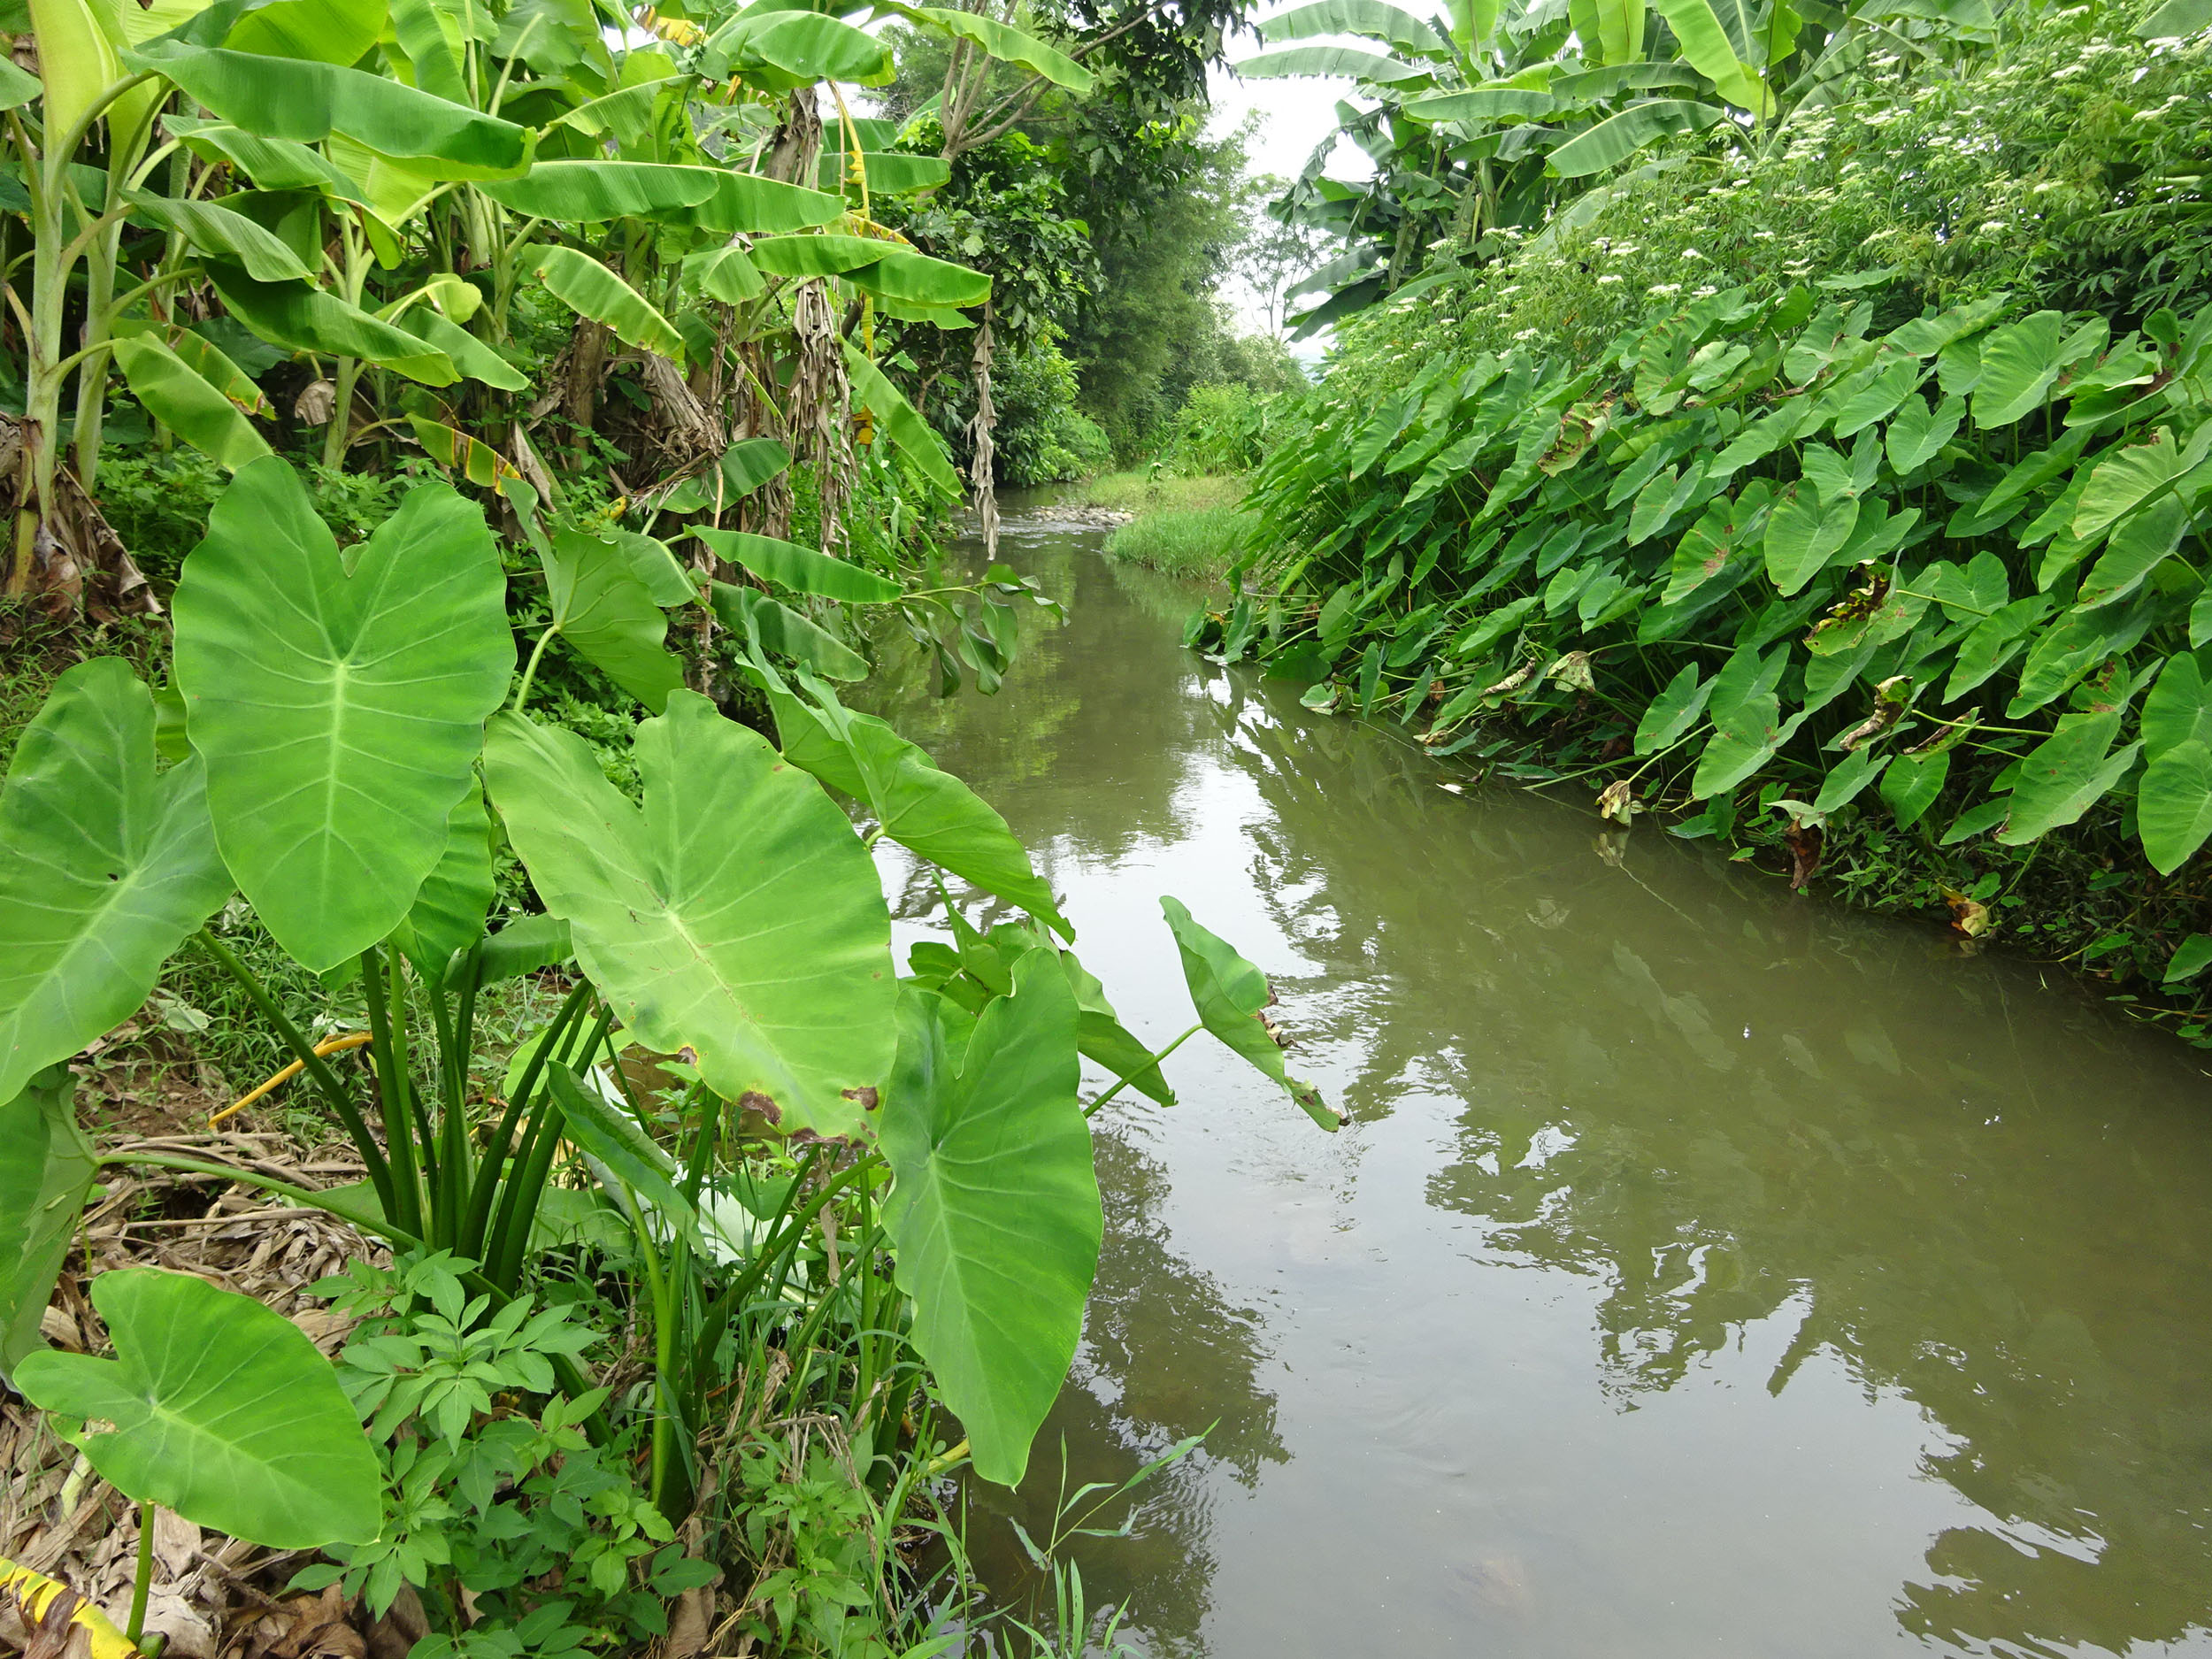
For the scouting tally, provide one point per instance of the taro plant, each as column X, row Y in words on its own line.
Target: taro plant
column 343, row 724
column 217, row 1408
column 1759, row 552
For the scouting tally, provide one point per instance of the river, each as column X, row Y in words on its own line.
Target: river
column 1705, row 1269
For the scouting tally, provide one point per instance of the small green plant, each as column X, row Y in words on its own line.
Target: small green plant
column 220, row 1410
column 499, row 1498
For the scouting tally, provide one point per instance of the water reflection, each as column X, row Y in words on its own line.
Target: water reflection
column 1708, row 1269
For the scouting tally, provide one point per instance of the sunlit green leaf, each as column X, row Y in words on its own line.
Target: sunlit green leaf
column 735, row 912
column 218, row 1409
column 1804, row 535
column 1618, row 137
column 339, row 710
column 994, row 1207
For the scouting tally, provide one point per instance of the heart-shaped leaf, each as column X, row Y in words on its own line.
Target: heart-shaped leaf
column 1911, row 784
column 1804, row 535
column 1918, row 434
column 2173, row 805
column 339, row 709
column 995, row 1209
column 2138, row 546
column 736, row 912
column 104, row 867
column 2019, row 364
column 603, row 608
column 2065, row 775
column 1673, row 711
column 223, row 1411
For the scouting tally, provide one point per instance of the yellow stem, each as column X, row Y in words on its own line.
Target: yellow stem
column 329, row 1046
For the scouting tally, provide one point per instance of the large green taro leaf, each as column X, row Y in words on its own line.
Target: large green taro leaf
column 223, row 1411
column 450, row 908
column 44, row 1179
column 602, row 607
column 104, row 867
column 736, row 913
column 995, row 1210
column 339, row 699
column 1229, row 994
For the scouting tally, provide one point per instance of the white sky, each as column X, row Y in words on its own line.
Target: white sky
column 1293, row 117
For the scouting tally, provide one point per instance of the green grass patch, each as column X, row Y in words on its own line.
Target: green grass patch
column 1146, row 492
column 1199, row 542
column 1191, row 528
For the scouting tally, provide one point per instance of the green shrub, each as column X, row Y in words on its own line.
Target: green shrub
column 1042, row 437
column 2065, row 168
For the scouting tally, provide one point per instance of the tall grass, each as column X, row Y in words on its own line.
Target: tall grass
column 1192, row 527
column 1200, row 544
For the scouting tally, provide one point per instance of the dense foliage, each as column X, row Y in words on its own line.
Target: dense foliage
column 1854, row 499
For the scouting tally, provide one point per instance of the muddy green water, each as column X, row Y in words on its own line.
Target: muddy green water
column 1706, row 1271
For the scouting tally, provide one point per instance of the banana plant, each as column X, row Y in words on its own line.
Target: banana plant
column 351, row 721
column 1492, row 115
column 283, row 168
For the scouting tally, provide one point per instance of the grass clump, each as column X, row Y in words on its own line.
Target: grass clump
column 1198, row 542
column 1191, row 528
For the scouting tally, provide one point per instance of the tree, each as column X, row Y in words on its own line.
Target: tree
column 1277, row 253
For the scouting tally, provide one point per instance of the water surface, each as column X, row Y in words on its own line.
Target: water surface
column 1706, row 1270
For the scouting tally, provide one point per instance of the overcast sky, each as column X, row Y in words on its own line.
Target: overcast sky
column 1293, row 117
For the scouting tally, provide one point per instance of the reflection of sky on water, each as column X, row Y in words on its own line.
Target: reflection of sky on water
column 1707, row 1269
